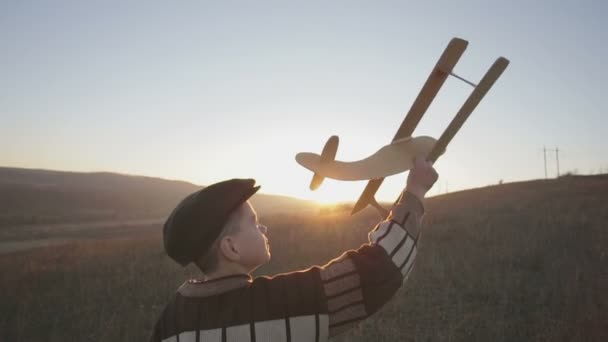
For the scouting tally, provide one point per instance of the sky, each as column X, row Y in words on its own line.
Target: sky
column 206, row 91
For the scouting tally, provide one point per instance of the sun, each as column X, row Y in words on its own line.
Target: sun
column 334, row 193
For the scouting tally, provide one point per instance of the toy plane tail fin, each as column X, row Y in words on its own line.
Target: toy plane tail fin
column 328, row 155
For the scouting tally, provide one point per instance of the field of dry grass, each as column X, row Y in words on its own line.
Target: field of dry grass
column 516, row 262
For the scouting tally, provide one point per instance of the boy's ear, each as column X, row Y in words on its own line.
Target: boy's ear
column 229, row 249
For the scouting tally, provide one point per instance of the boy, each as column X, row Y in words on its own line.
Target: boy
column 217, row 229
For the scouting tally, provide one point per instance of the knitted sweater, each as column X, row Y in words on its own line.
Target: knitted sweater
column 309, row 305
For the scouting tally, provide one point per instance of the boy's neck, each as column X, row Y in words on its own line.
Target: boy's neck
column 228, row 269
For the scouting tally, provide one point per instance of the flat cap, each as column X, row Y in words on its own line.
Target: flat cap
column 198, row 219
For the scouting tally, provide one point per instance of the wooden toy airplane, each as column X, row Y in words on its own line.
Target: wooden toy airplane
column 398, row 156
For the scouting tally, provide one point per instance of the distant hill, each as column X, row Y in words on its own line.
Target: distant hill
column 29, row 196
column 517, row 196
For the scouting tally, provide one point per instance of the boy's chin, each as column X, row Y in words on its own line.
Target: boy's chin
column 265, row 260
column 261, row 262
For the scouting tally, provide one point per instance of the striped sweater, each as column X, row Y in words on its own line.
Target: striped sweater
column 309, row 305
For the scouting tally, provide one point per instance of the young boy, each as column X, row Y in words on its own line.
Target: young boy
column 217, row 229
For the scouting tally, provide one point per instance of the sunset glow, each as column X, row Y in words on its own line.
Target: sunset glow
column 223, row 91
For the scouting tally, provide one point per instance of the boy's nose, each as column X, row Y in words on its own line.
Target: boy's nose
column 263, row 228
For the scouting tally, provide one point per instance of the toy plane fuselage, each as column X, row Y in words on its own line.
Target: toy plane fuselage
column 391, row 159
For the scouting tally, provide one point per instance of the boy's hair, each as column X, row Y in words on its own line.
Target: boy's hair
column 209, row 261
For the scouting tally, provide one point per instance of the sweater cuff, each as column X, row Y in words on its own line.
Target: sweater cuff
column 413, row 201
column 408, row 203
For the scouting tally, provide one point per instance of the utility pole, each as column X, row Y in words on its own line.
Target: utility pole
column 545, row 158
column 556, row 150
column 557, row 160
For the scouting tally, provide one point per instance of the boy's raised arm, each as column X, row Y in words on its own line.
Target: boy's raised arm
column 321, row 302
column 359, row 282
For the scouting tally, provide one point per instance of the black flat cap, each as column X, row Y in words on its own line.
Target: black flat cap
column 198, row 219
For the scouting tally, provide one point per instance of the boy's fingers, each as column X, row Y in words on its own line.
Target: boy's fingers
column 421, row 161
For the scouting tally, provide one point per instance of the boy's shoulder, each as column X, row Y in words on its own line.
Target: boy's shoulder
column 267, row 286
column 205, row 288
column 241, row 302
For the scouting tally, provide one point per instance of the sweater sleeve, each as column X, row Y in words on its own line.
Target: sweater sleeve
column 359, row 282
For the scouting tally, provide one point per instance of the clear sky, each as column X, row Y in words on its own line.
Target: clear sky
column 204, row 91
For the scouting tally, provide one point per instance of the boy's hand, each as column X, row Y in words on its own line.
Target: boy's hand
column 421, row 178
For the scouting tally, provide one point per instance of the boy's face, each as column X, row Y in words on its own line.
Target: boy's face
column 251, row 240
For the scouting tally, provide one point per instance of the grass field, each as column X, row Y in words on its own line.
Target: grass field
column 517, row 262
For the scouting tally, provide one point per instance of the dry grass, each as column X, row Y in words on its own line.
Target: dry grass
column 524, row 261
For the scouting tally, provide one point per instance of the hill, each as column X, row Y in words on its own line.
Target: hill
column 41, row 196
